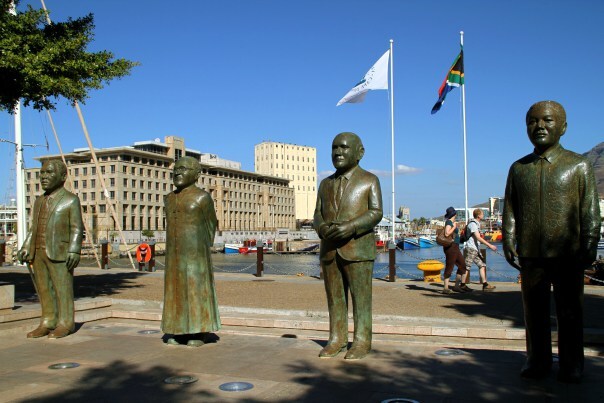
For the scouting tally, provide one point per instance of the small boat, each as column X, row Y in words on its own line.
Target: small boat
column 251, row 249
column 493, row 236
column 232, row 247
column 426, row 242
column 408, row 243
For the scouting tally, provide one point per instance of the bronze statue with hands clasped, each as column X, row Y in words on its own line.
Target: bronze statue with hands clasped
column 349, row 206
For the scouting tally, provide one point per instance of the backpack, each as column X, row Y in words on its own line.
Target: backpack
column 465, row 235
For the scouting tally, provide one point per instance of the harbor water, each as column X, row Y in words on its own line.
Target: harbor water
column 308, row 264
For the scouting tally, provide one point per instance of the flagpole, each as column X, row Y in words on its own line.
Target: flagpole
column 392, row 132
column 463, row 113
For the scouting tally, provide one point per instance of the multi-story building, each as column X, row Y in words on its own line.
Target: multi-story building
column 137, row 178
column 296, row 163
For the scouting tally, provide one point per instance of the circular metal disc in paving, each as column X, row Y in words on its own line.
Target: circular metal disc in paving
column 399, row 400
column 236, row 386
column 449, row 351
column 180, row 380
column 148, row 331
column 64, row 365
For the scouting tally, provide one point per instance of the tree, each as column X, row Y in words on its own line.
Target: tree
column 147, row 233
column 39, row 61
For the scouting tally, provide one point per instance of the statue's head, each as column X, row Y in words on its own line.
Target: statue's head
column 545, row 124
column 52, row 175
column 186, row 172
column 346, row 151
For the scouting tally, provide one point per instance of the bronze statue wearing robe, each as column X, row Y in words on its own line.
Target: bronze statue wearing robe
column 190, row 304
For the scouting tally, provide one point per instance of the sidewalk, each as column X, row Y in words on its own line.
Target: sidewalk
column 274, row 327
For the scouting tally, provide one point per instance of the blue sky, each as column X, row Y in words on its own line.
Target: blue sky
column 228, row 74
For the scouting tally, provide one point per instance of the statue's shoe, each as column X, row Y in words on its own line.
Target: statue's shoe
column 332, row 349
column 59, row 332
column 195, row 343
column 172, row 342
column 357, row 351
column 40, row 331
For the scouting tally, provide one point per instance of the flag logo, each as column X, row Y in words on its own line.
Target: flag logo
column 375, row 79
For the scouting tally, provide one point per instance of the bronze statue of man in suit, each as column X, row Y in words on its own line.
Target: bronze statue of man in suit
column 551, row 227
column 349, row 206
column 53, row 247
column 190, row 304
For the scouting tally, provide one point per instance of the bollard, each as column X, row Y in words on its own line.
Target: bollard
column 2, row 251
column 151, row 266
column 104, row 254
column 259, row 261
column 391, row 262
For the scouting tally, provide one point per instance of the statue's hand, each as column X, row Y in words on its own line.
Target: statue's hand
column 23, row 255
column 339, row 231
column 511, row 255
column 72, row 260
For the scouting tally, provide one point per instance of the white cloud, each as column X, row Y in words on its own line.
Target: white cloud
column 399, row 170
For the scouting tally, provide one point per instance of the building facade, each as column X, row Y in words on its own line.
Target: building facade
column 138, row 177
column 293, row 162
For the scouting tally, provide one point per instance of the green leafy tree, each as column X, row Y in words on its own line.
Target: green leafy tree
column 40, row 62
column 147, row 233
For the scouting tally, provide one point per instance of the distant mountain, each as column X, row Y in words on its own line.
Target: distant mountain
column 596, row 156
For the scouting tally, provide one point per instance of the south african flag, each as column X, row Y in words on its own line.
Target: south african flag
column 454, row 79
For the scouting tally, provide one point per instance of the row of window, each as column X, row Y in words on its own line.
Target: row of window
column 276, row 156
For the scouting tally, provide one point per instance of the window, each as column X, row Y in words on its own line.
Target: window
column 102, row 208
column 92, row 183
column 125, row 195
column 133, row 183
column 103, row 169
column 75, row 185
column 84, row 184
column 112, row 182
column 93, row 196
column 76, row 171
column 84, row 171
column 125, row 182
column 93, row 171
column 112, row 195
column 112, row 169
column 84, row 196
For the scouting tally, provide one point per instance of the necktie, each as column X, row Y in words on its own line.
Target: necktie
column 340, row 191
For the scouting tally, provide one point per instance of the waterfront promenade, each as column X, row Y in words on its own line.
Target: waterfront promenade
column 274, row 327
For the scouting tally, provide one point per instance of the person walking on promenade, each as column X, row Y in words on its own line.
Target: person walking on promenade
column 53, row 245
column 349, row 206
column 473, row 250
column 454, row 256
column 190, row 304
column 551, row 227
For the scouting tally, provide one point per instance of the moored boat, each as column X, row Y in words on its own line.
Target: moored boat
column 232, row 247
column 408, row 243
column 426, row 242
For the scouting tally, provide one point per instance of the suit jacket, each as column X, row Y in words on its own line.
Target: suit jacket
column 361, row 204
column 551, row 206
column 64, row 229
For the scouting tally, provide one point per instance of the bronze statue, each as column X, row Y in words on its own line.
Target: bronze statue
column 349, row 206
column 53, row 247
column 551, row 224
column 190, row 305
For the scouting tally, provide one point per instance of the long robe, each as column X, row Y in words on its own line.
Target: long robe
column 190, row 304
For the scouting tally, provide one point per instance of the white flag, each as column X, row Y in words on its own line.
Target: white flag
column 375, row 79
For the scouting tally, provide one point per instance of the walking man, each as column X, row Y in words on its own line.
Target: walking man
column 349, row 206
column 473, row 255
column 551, row 227
column 53, row 247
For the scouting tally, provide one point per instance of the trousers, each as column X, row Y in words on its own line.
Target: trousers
column 538, row 277
column 54, row 284
column 340, row 275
